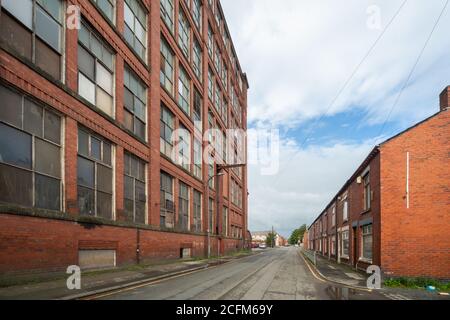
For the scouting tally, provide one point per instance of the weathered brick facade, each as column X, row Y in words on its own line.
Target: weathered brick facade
column 35, row 239
column 409, row 214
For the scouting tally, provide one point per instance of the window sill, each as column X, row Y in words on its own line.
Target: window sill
column 179, row 167
column 366, row 212
column 365, row 260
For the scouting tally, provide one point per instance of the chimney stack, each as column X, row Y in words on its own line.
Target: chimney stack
column 445, row 98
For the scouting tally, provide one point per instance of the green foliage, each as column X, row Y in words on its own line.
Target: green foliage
column 297, row 234
column 270, row 240
column 417, row 283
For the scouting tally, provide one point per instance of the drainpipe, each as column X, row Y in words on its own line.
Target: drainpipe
column 138, row 246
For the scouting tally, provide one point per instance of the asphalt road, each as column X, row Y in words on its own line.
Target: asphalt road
column 274, row 274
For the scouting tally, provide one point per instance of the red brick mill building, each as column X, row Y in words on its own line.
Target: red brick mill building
column 89, row 174
column 394, row 211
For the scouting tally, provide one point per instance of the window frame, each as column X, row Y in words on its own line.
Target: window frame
column 197, row 212
column 34, row 33
column 133, row 29
column 166, row 16
column 164, row 207
column 33, row 138
column 97, row 163
column 135, row 180
column 167, row 59
column 184, row 201
column 184, row 91
column 184, row 33
column 163, row 141
column 367, row 191
column 366, row 232
column 97, row 60
column 114, row 7
column 139, row 82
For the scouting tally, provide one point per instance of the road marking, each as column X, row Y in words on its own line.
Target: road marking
column 324, row 279
column 353, row 276
column 394, row 296
column 311, row 270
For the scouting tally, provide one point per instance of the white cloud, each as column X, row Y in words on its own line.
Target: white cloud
column 309, row 178
column 299, row 54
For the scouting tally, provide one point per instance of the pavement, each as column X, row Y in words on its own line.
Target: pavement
column 339, row 273
column 345, row 275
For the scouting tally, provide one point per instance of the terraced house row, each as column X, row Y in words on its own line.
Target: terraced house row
column 104, row 117
column 394, row 211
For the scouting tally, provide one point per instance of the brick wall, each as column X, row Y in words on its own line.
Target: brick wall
column 32, row 248
column 416, row 241
column 43, row 245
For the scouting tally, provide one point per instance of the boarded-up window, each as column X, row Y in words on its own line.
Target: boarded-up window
column 96, row 259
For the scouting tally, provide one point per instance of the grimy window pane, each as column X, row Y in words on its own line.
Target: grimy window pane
column 15, row 147
column 86, row 63
column 16, row 186
column 104, row 78
column 83, row 143
column 86, row 201
column 104, row 205
column 53, row 7
column 134, row 167
column 47, row 158
column 127, row 164
column 140, row 212
column 104, row 101
column 139, row 129
column 47, row 29
column 128, row 188
column 141, row 171
column 129, row 208
column 106, row 7
column 140, row 191
column 15, row 35
column 96, row 46
column 128, row 120
column 128, row 99
column 86, row 88
column 11, row 109
column 106, row 153
column 48, row 60
column 104, row 179
column 48, row 193
column 22, row 10
column 96, row 148
column 85, row 172
column 32, row 118
column 52, row 127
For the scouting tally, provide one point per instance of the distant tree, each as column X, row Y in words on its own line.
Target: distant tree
column 297, row 234
column 270, row 240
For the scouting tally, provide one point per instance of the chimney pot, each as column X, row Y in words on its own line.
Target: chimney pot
column 445, row 98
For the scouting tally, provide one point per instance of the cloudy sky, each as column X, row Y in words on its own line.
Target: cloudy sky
column 336, row 78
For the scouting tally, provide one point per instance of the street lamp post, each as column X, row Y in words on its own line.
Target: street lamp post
column 219, row 173
column 207, row 201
